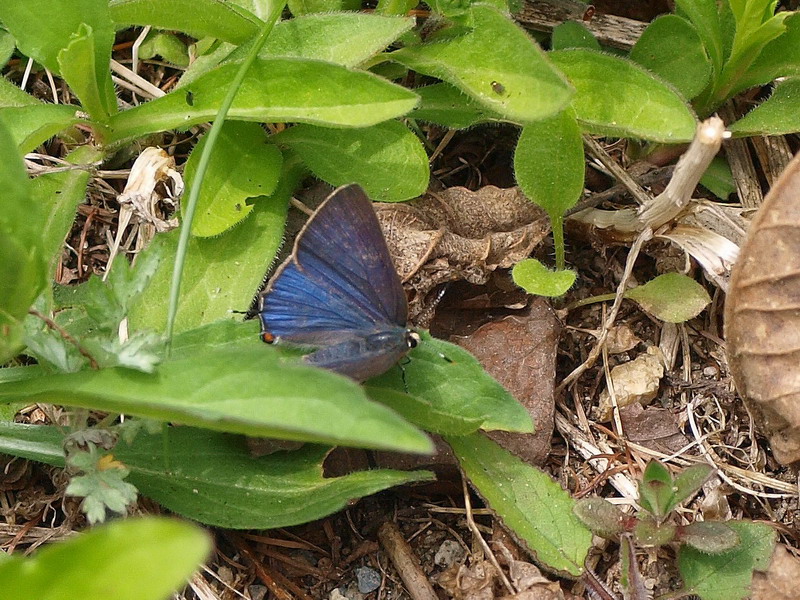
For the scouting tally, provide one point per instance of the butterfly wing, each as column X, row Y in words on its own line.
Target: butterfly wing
column 340, row 281
column 363, row 357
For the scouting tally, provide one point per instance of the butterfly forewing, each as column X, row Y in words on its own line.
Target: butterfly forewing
column 340, row 282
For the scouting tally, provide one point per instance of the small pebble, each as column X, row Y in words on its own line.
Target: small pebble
column 449, row 553
column 369, row 579
column 257, row 592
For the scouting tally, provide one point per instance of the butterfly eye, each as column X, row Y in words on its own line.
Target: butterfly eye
column 413, row 340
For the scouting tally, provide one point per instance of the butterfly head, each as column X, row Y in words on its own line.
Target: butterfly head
column 413, row 339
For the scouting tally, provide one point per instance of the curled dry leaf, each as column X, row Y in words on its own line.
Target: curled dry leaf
column 762, row 316
column 634, row 381
column 459, row 234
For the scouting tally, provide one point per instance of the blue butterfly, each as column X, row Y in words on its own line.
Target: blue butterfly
column 339, row 292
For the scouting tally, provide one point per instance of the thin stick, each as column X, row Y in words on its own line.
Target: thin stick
column 405, row 562
column 64, row 334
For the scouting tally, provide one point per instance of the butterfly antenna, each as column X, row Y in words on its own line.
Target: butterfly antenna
column 427, row 314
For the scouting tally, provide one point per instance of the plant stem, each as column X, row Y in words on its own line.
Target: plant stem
column 202, row 166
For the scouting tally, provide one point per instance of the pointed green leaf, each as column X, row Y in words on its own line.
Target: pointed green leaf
column 779, row 58
column 672, row 297
column 497, row 64
column 649, row 109
column 31, row 126
column 534, row 507
column 235, row 390
column 387, row 160
column 777, row 115
column 689, row 481
column 599, row 515
column 655, row 489
column 273, row 90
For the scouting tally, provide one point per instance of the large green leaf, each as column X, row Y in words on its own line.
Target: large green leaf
column 243, row 165
column 534, row 507
column 497, row 64
column 221, row 274
column 213, row 477
column 237, row 390
column 199, row 18
column 648, row 109
column 78, row 65
column 671, row 48
column 387, row 160
column 346, row 38
column 451, row 381
column 139, row 559
column 11, row 95
column 779, row 58
column 727, row 575
column 43, row 28
column 274, row 90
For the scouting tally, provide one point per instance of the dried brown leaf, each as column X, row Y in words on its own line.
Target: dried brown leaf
column 762, row 316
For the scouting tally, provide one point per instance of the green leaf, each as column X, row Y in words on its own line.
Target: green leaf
column 718, row 178
column 572, row 34
column 423, row 413
column 671, row 297
column 7, row 46
column 549, row 164
column 689, row 481
column 22, row 264
column 138, row 558
column 221, row 274
column 497, row 64
column 779, row 58
column 671, row 48
column 727, row 576
column 213, row 478
column 709, row 537
column 706, row 20
column 599, row 515
column 274, row 90
column 452, row 381
column 77, row 64
column 102, row 487
column 445, row 105
column 11, row 95
column 235, row 390
column 243, row 165
column 649, row 109
column 43, row 28
column 59, row 194
column 343, row 38
column 656, row 490
column 534, row 507
column 649, row 533
column 199, row 18
column 304, row 7
column 387, row 160
column 777, row 115
column 166, row 45
column 30, row 126
column 535, row 278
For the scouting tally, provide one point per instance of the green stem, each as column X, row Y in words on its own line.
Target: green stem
column 590, row 300
column 557, row 225
column 202, row 166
